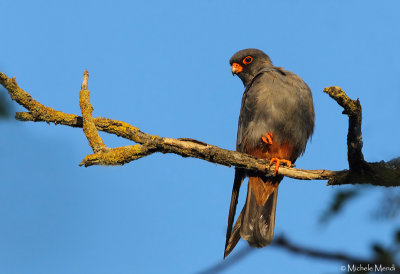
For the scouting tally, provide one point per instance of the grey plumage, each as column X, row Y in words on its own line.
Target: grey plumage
column 275, row 101
column 278, row 101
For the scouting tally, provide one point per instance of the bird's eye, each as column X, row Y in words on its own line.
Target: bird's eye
column 247, row 60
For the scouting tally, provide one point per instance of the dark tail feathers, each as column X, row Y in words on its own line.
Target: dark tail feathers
column 258, row 222
column 255, row 223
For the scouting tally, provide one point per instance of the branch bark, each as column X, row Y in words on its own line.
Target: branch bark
column 361, row 172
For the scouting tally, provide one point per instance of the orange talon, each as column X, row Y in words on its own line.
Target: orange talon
column 267, row 138
column 278, row 162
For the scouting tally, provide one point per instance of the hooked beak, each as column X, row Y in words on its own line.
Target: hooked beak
column 236, row 68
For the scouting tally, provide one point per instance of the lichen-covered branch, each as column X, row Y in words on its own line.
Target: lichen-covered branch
column 117, row 156
column 102, row 154
column 384, row 174
column 38, row 111
column 89, row 128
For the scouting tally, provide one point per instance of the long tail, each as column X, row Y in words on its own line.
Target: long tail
column 258, row 221
column 233, row 236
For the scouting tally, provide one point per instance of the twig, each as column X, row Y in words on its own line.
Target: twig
column 116, row 156
column 89, row 128
column 352, row 109
column 228, row 262
column 282, row 242
column 382, row 173
column 103, row 155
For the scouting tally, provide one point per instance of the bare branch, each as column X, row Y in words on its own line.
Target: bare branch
column 284, row 243
column 352, row 109
column 85, row 81
column 383, row 174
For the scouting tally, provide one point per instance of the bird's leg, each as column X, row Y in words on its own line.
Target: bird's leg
column 267, row 138
column 278, row 162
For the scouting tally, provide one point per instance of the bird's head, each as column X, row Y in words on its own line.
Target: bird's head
column 248, row 63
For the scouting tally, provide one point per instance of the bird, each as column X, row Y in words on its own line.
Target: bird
column 276, row 121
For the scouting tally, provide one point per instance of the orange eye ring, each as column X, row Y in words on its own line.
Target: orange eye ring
column 247, row 60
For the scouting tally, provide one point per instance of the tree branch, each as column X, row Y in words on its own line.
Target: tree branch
column 384, row 174
column 381, row 173
column 284, row 243
column 89, row 128
column 102, row 154
column 354, row 139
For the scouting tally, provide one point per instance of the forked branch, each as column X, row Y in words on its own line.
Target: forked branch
column 382, row 173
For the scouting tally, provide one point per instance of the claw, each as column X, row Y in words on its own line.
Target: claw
column 267, row 138
column 278, row 162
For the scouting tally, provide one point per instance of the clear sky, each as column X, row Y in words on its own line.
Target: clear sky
column 163, row 67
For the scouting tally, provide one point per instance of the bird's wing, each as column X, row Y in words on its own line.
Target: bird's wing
column 277, row 101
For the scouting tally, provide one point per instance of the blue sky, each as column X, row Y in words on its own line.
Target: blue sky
column 163, row 66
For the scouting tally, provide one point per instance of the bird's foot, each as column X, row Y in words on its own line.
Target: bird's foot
column 267, row 138
column 278, row 162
